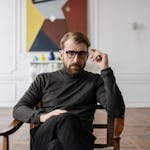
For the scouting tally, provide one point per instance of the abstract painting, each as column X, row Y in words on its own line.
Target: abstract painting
column 48, row 20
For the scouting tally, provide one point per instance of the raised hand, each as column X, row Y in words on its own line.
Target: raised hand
column 101, row 59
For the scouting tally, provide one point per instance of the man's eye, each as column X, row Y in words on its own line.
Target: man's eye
column 71, row 53
column 81, row 53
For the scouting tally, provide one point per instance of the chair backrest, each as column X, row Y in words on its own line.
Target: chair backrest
column 114, row 127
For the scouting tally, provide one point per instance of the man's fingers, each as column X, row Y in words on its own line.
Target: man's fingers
column 96, row 55
column 93, row 50
column 98, row 58
column 46, row 116
column 58, row 111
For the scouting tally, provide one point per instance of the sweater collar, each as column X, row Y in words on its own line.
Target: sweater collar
column 67, row 75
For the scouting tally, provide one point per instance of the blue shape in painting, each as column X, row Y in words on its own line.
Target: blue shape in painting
column 43, row 43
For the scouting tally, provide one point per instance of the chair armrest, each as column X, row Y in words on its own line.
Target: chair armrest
column 118, row 126
column 11, row 128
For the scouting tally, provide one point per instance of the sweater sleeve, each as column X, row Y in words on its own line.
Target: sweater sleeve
column 24, row 109
column 109, row 95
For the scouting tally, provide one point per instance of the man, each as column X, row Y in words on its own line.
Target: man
column 69, row 97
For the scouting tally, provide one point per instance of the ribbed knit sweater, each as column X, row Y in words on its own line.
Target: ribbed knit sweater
column 76, row 94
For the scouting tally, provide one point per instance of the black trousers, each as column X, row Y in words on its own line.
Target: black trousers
column 63, row 132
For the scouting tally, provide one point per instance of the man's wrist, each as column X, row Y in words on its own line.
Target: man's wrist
column 106, row 72
column 105, row 68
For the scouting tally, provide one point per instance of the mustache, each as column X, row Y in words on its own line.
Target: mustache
column 76, row 64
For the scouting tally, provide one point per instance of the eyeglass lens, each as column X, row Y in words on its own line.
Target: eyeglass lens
column 81, row 54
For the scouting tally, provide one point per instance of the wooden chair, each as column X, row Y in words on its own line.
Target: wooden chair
column 114, row 127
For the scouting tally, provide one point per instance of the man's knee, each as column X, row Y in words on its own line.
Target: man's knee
column 69, row 119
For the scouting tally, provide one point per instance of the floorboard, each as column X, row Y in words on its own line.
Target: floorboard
column 136, row 134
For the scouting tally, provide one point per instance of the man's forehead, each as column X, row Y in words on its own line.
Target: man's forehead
column 71, row 44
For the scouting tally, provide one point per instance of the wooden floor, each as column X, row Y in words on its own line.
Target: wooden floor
column 136, row 135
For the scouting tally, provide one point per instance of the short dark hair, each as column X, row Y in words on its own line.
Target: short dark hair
column 77, row 37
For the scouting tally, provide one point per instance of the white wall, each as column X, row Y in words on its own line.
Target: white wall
column 14, row 63
column 127, row 45
column 110, row 29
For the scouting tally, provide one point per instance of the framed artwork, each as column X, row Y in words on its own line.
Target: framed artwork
column 39, row 1
column 48, row 20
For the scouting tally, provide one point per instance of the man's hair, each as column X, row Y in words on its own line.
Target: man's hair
column 77, row 37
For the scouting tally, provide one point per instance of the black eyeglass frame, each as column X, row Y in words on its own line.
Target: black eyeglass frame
column 81, row 54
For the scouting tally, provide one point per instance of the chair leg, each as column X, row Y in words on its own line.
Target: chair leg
column 5, row 143
column 117, row 144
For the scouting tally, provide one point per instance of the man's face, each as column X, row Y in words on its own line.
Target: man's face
column 74, row 56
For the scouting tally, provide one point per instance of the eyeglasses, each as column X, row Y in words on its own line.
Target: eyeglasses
column 72, row 54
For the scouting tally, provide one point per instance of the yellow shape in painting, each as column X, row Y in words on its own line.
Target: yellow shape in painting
column 34, row 23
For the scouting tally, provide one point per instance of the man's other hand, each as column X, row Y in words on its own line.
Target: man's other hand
column 45, row 116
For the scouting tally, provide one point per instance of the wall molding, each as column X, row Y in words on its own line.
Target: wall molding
column 14, row 78
column 8, row 86
column 133, row 78
column 93, row 22
column 7, row 104
column 12, row 13
column 138, row 104
column 14, row 38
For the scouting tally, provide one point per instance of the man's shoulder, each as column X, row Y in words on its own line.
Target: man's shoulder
column 48, row 74
column 95, row 78
column 92, row 75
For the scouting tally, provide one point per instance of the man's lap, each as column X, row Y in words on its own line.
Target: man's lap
column 59, row 127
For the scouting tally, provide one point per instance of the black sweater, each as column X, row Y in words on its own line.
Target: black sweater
column 76, row 94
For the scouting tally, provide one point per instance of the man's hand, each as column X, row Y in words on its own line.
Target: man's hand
column 44, row 117
column 101, row 59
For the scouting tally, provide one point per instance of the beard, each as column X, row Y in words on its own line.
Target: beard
column 74, row 68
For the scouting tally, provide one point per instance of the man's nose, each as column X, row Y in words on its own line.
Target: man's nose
column 76, row 58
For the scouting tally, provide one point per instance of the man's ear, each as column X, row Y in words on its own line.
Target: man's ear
column 61, row 54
